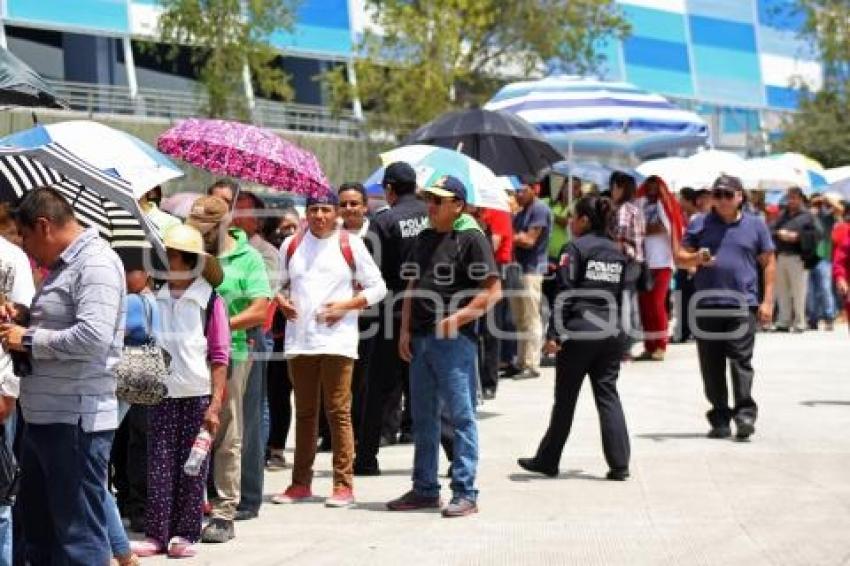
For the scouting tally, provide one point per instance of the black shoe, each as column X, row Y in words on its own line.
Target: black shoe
column 137, row 523
column 620, row 474
column 719, row 432
column 509, row 371
column 527, row 373
column 245, row 515
column 745, row 430
column 488, row 393
column 547, row 361
column 217, row 531
column 366, row 471
column 405, row 438
column 531, row 465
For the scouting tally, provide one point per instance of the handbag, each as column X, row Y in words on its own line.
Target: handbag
column 142, row 370
column 10, row 472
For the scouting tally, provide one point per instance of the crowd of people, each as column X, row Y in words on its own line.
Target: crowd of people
column 382, row 324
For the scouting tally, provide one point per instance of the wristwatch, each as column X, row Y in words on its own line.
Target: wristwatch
column 26, row 340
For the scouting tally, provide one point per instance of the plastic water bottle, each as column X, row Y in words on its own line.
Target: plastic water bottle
column 199, row 452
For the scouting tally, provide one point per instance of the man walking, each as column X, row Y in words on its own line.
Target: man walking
column 453, row 281
column 246, row 292
column 391, row 235
column 727, row 246
column 796, row 235
column 330, row 277
column 73, row 337
column 532, row 227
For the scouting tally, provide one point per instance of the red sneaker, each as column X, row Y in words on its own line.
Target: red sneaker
column 294, row 494
column 342, row 497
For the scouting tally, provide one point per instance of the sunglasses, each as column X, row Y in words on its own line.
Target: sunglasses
column 723, row 193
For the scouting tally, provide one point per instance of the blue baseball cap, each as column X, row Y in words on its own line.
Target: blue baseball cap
column 328, row 197
column 448, row 186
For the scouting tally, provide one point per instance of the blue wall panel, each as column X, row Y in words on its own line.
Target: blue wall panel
column 712, row 62
column 730, row 35
column 782, row 97
column 655, row 24
column 660, row 80
column 108, row 16
column 780, row 14
column 656, row 54
column 737, row 10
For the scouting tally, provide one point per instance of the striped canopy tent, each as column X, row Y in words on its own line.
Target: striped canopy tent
column 99, row 199
column 593, row 117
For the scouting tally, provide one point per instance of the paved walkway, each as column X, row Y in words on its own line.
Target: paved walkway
column 783, row 498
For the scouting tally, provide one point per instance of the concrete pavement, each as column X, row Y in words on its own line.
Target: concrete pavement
column 783, row 498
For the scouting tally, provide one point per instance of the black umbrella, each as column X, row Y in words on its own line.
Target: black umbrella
column 502, row 141
column 21, row 86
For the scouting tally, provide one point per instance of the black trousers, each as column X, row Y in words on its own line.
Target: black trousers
column 279, row 394
column 387, row 375
column 490, row 346
column 714, row 351
column 129, row 458
column 599, row 359
column 685, row 286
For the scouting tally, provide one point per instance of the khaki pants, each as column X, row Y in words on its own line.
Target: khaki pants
column 327, row 377
column 227, row 455
column 525, row 307
column 791, row 278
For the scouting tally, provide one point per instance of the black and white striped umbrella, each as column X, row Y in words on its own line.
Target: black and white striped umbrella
column 99, row 199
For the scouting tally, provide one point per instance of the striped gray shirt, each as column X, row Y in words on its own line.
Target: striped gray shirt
column 77, row 327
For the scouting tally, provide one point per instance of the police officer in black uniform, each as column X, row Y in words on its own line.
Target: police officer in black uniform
column 391, row 237
column 586, row 322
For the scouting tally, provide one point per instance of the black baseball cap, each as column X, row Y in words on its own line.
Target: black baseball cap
column 399, row 172
column 448, row 187
column 727, row 183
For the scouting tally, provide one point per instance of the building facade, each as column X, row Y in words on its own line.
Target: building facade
column 734, row 61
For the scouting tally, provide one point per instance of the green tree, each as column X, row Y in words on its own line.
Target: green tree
column 437, row 55
column 226, row 36
column 821, row 126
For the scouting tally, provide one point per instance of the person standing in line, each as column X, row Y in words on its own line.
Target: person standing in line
column 727, row 247
column 74, row 334
column 820, row 298
column 438, row 340
column 329, row 277
column 248, row 215
column 664, row 229
column 593, row 266
column 795, row 234
column 196, row 335
column 392, row 234
column 532, row 228
column 501, row 232
column 630, row 232
column 278, row 385
column 246, row 293
column 15, row 267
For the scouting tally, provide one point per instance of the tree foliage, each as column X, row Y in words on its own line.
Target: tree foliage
column 226, row 35
column 821, row 127
column 435, row 55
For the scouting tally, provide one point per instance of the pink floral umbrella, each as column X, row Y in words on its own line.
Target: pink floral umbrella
column 245, row 152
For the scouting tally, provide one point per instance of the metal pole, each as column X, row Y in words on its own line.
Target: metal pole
column 356, row 106
column 130, row 67
column 569, row 186
column 249, row 88
column 3, row 35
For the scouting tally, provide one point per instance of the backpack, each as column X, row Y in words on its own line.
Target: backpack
column 344, row 247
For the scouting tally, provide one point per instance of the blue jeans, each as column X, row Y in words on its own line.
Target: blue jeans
column 63, row 496
column 253, row 446
column 118, row 540
column 820, row 299
column 442, row 372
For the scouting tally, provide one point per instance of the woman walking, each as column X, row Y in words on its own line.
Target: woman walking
column 196, row 334
column 585, row 330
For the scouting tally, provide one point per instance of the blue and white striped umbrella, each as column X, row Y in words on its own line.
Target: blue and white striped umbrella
column 601, row 117
column 108, row 149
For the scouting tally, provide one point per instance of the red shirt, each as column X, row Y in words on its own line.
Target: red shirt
column 500, row 224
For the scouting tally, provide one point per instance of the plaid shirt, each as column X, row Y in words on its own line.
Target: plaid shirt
column 631, row 230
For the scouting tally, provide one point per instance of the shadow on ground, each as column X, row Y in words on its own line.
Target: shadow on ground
column 826, row 402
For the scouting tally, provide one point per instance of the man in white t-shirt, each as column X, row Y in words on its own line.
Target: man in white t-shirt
column 327, row 276
column 18, row 289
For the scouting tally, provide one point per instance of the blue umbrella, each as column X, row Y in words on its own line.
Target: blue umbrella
column 593, row 172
